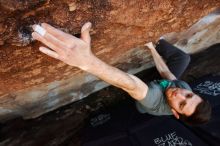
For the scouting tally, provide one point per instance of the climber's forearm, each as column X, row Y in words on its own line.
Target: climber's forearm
column 161, row 66
column 130, row 83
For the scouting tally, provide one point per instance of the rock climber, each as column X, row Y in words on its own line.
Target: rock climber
column 168, row 96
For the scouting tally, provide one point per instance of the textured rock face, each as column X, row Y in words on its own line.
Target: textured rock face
column 32, row 83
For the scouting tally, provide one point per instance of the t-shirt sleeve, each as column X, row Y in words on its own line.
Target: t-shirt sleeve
column 152, row 101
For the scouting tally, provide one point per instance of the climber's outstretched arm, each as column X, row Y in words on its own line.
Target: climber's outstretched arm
column 77, row 52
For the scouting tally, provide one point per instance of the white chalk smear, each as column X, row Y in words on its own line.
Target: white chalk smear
column 40, row 30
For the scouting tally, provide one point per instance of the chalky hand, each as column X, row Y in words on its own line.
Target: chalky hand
column 65, row 47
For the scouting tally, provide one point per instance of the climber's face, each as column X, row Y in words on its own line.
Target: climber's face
column 182, row 101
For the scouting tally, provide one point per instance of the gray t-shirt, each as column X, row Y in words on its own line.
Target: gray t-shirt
column 155, row 101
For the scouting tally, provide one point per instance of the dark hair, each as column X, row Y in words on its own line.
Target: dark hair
column 201, row 115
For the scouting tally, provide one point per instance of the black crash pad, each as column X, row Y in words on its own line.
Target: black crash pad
column 119, row 139
column 208, row 87
column 164, row 131
column 124, row 126
column 109, row 126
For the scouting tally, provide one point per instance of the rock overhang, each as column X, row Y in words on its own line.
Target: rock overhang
column 32, row 83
